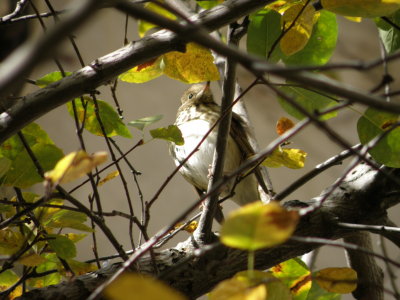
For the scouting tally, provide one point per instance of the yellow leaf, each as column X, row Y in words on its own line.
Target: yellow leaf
column 144, row 26
column 144, row 72
column 253, row 285
column 81, row 268
column 354, row 19
column 10, row 241
column 362, row 8
column 74, row 166
column 191, row 227
column 278, row 6
column 255, row 226
column 236, row 289
column 17, row 292
column 286, row 157
column 109, row 177
column 131, row 286
column 337, row 280
column 76, row 237
column 31, row 260
column 283, row 125
column 193, row 66
column 296, row 38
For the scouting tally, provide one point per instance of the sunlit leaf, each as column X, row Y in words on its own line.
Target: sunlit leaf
column 74, row 165
column 207, row 4
column 255, row 226
column 50, row 78
column 109, row 117
column 362, row 8
column 236, row 289
column 144, row 122
column 263, row 33
column 286, row 157
column 374, row 123
column 297, row 35
column 62, row 246
column 321, row 44
column 311, row 101
column 144, row 72
column 251, row 286
column 337, row 280
column 51, row 264
column 170, row 133
column 31, row 260
column 76, row 237
column 354, row 19
column 144, row 26
column 193, row 66
column 295, row 274
column 70, row 219
column 318, row 293
column 140, row 287
column 81, row 268
column 7, row 279
column 110, row 176
column 283, row 125
column 22, row 172
column 191, row 227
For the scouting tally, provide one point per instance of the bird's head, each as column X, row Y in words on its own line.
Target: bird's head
column 198, row 93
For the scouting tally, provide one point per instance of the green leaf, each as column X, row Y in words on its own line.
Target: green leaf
column 33, row 134
column 52, row 263
column 143, row 72
column 144, row 122
column 8, row 278
column 62, row 246
column 257, row 225
column 69, row 218
column 309, row 100
column 295, row 274
column 146, row 26
column 111, row 121
column 207, row 4
column 50, row 78
column 264, row 30
column 389, row 35
column 318, row 293
column 171, row 134
column 23, row 172
column 321, row 44
column 375, row 122
column 5, row 165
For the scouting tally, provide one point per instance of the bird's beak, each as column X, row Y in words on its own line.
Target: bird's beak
column 205, row 90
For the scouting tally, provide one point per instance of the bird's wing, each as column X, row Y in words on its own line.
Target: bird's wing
column 240, row 136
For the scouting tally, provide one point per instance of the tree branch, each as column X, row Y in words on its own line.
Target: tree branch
column 360, row 198
column 98, row 72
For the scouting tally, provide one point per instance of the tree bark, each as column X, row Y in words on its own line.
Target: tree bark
column 361, row 198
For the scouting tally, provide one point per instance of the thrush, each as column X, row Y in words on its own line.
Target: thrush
column 196, row 115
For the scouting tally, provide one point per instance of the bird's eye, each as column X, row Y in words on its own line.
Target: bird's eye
column 190, row 96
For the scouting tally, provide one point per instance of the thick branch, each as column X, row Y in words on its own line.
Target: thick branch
column 360, row 198
column 370, row 275
column 108, row 67
column 100, row 71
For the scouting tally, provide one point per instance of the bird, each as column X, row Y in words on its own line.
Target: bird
column 196, row 115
